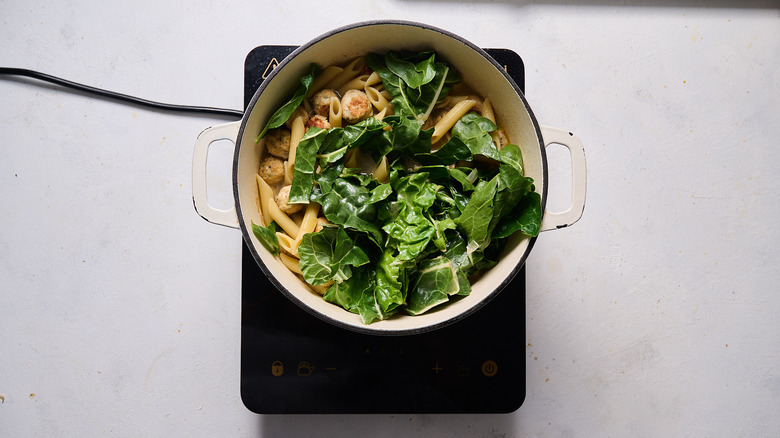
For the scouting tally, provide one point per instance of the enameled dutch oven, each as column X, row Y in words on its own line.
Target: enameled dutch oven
column 479, row 70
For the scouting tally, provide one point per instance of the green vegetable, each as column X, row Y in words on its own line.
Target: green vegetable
column 474, row 131
column 411, row 243
column 267, row 236
column 417, row 82
column 329, row 255
column 305, row 162
column 282, row 114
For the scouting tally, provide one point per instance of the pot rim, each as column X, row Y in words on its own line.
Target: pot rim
column 367, row 329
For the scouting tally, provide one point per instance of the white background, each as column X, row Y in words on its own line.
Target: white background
column 655, row 315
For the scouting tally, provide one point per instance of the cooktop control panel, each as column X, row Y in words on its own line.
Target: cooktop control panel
column 292, row 362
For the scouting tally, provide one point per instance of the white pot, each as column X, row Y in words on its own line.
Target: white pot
column 478, row 69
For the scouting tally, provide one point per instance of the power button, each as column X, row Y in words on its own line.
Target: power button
column 489, row 368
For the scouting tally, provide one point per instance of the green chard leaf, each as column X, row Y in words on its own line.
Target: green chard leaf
column 526, row 217
column 267, row 236
column 475, row 219
column 329, row 255
column 435, row 280
column 474, row 131
column 347, row 204
column 414, row 75
column 417, row 82
column 357, row 295
column 450, row 153
column 390, row 281
column 305, row 163
column 282, row 114
column 511, row 155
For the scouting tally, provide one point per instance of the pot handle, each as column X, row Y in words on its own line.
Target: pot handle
column 553, row 221
column 227, row 131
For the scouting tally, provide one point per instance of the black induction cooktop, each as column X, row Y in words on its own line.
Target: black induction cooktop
column 295, row 363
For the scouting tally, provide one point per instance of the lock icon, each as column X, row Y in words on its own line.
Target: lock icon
column 277, row 369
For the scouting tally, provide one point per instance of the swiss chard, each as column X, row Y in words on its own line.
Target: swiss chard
column 267, row 236
column 305, row 163
column 474, row 131
column 282, row 114
column 329, row 255
column 413, row 241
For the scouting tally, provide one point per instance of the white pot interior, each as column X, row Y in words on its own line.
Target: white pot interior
column 336, row 48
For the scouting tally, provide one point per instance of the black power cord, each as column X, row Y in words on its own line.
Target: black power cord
column 118, row 96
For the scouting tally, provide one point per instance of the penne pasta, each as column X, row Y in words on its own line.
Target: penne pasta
column 376, row 98
column 310, row 218
column 450, row 118
column 381, row 114
column 487, row 111
column 322, row 288
column 334, row 114
column 355, row 84
column 351, row 158
column 288, row 172
column 351, row 71
column 290, row 262
column 266, row 194
column 297, row 131
column 323, row 78
column 281, row 218
column 374, row 79
column 286, row 243
column 381, row 173
column 307, row 225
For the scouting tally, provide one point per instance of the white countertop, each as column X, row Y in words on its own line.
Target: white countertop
column 655, row 315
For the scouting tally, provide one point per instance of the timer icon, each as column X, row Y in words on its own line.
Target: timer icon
column 489, row 368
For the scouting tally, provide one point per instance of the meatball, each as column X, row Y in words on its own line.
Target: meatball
column 355, row 106
column 320, row 102
column 272, row 170
column 318, row 122
column 277, row 142
column 281, row 200
column 299, row 112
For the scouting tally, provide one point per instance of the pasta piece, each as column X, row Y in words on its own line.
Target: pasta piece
column 373, row 79
column 487, row 110
column 323, row 78
column 448, row 120
column 286, row 243
column 307, row 225
column 310, row 217
column 381, row 173
column 355, row 84
column 376, row 98
column 266, row 195
column 322, row 288
column 351, row 158
column 381, row 114
column 488, row 113
column 334, row 114
column 297, row 131
column 351, row 71
column 288, row 173
column 281, row 218
column 290, row 262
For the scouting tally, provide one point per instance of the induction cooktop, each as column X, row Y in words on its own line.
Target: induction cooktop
column 294, row 363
